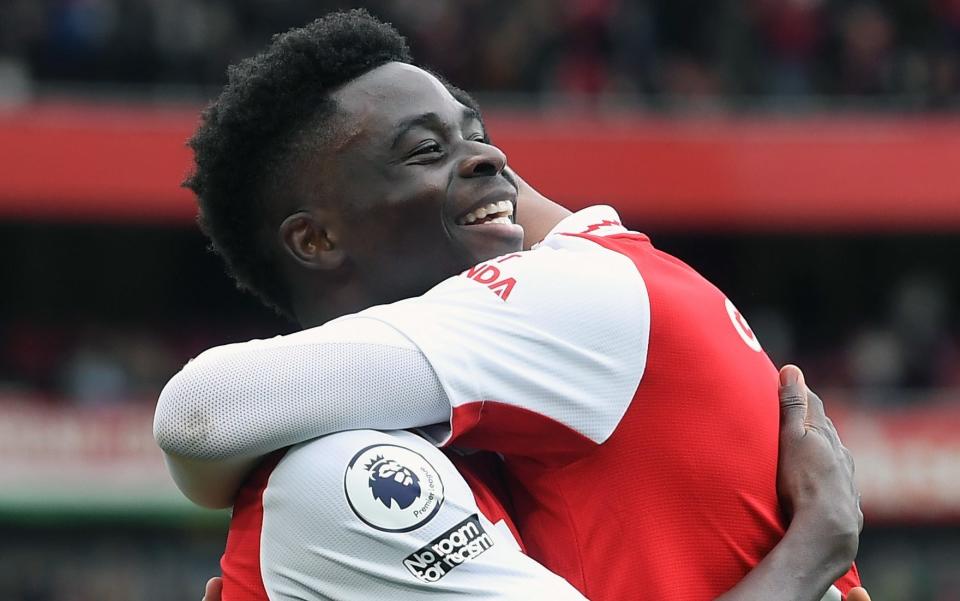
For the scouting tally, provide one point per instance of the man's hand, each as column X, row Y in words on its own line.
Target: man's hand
column 815, row 478
column 815, row 481
column 858, row 594
column 215, row 588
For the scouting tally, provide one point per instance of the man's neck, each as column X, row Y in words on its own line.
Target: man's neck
column 337, row 302
column 537, row 214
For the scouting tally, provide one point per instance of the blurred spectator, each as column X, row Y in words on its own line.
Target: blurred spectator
column 914, row 349
column 876, row 362
column 919, row 316
column 866, row 46
column 791, row 32
column 94, row 375
column 111, row 366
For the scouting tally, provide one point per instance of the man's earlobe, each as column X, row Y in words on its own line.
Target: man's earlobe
column 310, row 244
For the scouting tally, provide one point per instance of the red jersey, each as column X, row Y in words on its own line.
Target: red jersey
column 635, row 409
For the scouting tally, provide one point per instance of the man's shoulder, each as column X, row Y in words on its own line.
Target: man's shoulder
column 338, row 443
column 328, row 505
column 329, row 466
column 376, row 515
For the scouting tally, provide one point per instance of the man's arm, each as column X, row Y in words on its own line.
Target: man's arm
column 235, row 403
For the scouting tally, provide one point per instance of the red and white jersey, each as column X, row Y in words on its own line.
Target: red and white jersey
column 375, row 515
column 635, row 410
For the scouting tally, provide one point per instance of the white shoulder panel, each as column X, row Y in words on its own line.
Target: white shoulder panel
column 561, row 331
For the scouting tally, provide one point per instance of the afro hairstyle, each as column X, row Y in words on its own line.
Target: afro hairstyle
column 248, row 137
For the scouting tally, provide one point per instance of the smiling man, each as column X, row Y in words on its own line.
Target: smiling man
column 378, row 206
column 634, row 409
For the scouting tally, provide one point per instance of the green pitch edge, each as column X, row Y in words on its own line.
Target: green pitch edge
column 37, row 511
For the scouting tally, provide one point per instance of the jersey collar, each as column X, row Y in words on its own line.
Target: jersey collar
column 599, row 220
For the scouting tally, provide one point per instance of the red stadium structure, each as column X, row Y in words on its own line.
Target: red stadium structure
column 815, row 174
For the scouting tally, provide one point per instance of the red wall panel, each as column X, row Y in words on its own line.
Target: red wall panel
column 854, row 173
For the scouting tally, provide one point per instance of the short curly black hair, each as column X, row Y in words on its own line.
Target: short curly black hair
column 248, row 137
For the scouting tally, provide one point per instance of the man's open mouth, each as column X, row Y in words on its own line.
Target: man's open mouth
column 495, row 212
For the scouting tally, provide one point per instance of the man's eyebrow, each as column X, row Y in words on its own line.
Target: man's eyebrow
column 425, row 119
column 432, row 119
column 471, row 113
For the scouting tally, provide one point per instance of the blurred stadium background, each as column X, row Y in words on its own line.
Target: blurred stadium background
column 802, row 154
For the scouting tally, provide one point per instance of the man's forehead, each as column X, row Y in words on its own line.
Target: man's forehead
column 393, row 92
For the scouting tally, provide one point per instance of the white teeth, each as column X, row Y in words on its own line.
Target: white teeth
column 503, row 210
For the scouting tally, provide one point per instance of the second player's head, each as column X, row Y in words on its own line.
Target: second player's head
column 332, row 174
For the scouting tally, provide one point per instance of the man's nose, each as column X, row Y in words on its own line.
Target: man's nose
column 484, row 161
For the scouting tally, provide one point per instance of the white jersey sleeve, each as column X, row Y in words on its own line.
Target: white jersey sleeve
column 367, row 515
column 251, row 398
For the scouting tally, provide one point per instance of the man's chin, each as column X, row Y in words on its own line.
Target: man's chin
column 490, row 240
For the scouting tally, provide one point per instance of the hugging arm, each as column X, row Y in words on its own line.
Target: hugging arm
column 235, row 403
column 815, row 481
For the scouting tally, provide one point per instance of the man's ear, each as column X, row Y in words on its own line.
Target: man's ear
column 310, row 242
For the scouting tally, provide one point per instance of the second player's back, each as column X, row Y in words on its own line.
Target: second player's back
column 636, row 412
column 680, row 501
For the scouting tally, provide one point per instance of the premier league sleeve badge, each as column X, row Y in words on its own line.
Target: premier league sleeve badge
column 392, row 488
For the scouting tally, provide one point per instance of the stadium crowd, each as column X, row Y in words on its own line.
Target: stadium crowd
column 903, row 54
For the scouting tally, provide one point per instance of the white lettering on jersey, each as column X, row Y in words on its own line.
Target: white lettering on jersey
column 605, row 227
column 392, row 488
column 457, row 545
column 742, row 327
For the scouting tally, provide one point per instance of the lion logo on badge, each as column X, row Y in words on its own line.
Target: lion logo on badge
column 392, row 482
column 392, row 488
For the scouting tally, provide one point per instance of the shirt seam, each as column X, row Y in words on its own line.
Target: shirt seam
column 571, row 524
